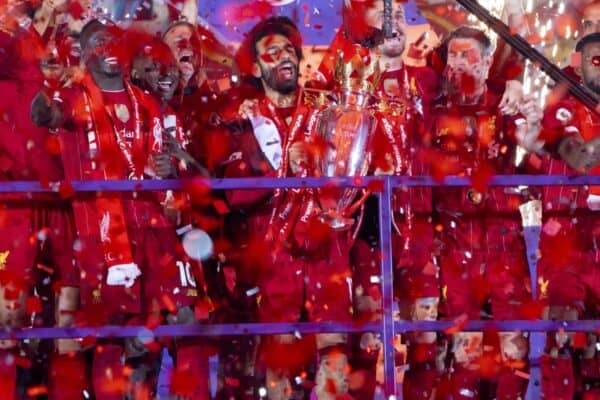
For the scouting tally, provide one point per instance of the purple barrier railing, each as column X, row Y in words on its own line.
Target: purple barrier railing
column 388, row 328
column 272, row 183
column 298, row 328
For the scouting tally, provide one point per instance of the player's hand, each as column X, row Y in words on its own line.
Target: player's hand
column 531, row 109
column 512, row 97
column 162, row 164
column 298, row 156
column 249, row 109
column 172, row 147
column 43, row 112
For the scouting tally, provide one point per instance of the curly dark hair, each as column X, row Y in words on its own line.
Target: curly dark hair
column 277, row 25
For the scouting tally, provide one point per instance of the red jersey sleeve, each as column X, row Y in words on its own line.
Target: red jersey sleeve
column 244, row 198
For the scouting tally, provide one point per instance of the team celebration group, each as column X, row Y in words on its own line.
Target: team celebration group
column 84, row 98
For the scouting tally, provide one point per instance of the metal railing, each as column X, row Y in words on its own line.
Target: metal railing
column 387, row 327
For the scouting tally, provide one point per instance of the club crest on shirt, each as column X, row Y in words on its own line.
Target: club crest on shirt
column 122, row 112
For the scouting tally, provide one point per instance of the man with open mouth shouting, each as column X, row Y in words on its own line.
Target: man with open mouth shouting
column 298, row 275
column 125, row 238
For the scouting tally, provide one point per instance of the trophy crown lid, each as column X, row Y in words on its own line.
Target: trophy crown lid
column 358, row 73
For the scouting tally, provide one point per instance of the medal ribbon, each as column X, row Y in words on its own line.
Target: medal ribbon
column 116, row 244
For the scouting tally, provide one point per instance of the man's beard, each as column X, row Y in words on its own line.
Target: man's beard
column 592, row 84
column 459, row 82
column 393, row 47
column 280, row 85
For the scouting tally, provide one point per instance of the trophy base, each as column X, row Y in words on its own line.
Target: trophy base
column 336, row 221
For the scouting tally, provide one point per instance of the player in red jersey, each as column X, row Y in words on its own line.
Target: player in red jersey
column 41, row 237
column 482, row 258
column 293, row 279
column 125, row 239
column 568, row 267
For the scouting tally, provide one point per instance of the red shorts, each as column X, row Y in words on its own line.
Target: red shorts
column 56, row 220
column 471, row 280
column 322, row 285
column 169, row 279
column 413, row 251
column 569, row 267
column 484, row 260
column 18, row 248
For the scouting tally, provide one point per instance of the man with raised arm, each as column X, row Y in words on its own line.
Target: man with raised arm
column 132, row 263
column 482, row 258
column 568, row 267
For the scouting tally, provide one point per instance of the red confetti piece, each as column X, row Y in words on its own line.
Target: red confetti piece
column 5, row 163
column 221, row 207
column 532, row 310
column 222, row 246
column 267, row 58
column 52, row 145
column 153, row 321
column 76, row 10
column 489, row 365
column 459, row 324
column 208, row 223
column 481, row 177
column 168, row 303
column 198, row 191
column 441, row 165
column 292, row 356
column 39, row 390
column 88, row 341
column 230, row 278
column 33, row 304
column 202, row 309
column 430, row 269
column 65, row 190
column 579, row 340
column 255, row 10
column 375, row 186
column 467, row 83
column 183, row 382
column 534, row 39
column 232, row 382
column 564, row 23
column 153, row 347
column 440, row 10
column 23, row 362
column 45, row 268
column 44, row 183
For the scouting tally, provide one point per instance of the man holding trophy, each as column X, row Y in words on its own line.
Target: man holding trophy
column 302, row 264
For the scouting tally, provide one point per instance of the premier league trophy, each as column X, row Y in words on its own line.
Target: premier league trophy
column 346, row 128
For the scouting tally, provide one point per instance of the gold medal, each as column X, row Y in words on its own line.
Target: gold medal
column 122, row 112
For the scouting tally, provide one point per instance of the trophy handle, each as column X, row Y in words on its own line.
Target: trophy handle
column 359, row 220
column 360, row 203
